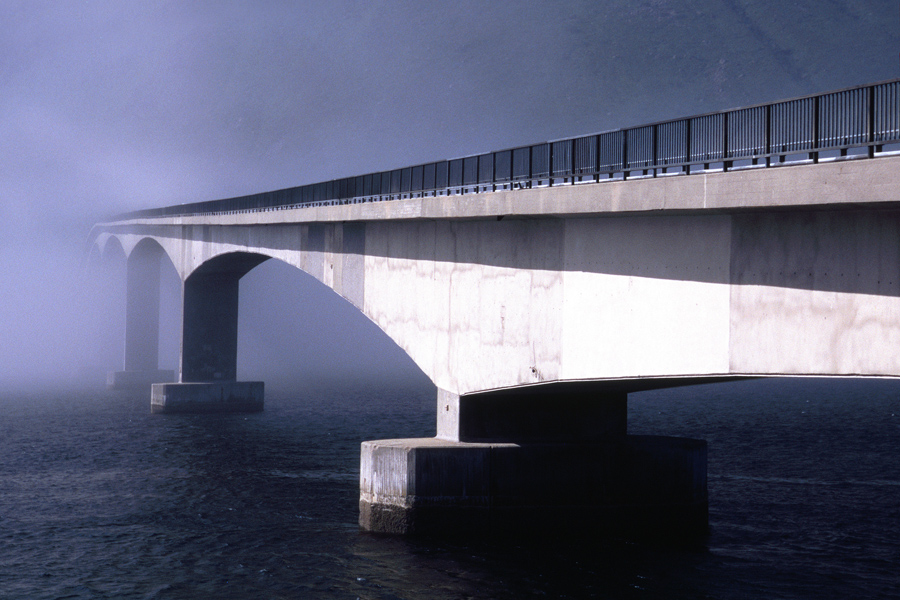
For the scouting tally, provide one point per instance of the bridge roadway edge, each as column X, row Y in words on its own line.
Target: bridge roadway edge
column 835, row 184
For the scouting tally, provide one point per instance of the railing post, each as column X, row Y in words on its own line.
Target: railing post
column 530, row 167
column 725, row 160
column 687, row 147
column 494, row 170
column 550, row 165
column 870, row 121
column 814, row 154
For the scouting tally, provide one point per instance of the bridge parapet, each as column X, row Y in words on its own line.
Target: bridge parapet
column 857, row 122
column 839, row 184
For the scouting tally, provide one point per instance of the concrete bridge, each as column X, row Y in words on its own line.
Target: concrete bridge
column 537, row 304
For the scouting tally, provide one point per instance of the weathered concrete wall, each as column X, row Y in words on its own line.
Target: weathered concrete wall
column 472, row 302
column 816, row 293
column 486, row 304
column 610, row 292
column 646, row 296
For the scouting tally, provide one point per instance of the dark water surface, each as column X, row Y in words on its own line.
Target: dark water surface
column 100, row 499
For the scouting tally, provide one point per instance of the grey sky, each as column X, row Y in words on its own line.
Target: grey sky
column 110, row 106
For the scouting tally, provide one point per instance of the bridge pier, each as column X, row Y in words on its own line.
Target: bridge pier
column 141, row 368
column 208, row 376
column 207, row 397
column 546, row 460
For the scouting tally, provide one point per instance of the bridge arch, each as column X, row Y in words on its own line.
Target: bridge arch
column 144, row 265
column 106, row 269
column 147, row 247
column 334, row 255
column 107, row 246
column 132, row 268
column 223, row 276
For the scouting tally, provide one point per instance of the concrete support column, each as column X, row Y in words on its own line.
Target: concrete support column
column 545, row 460
column 142, row 311
column 209, row 344
column 210, row 328
column 141, row 323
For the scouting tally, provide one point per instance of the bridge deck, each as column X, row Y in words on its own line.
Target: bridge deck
column 846, row 183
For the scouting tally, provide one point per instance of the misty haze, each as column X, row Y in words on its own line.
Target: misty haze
column 114, row 107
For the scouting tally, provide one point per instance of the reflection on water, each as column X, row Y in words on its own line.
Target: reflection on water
column 100, row 499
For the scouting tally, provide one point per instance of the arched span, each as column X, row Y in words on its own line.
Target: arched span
column 140, row 292
column 230, row 263
column 294, row 330
column 105, row 261
column 109, row 247
column 453, row 318
column 119, row 243
column 104, row 273
column 142, row 312
column 146, row 248
column 211, row 322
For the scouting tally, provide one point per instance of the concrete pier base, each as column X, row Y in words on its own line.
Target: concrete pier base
column 207, row 397
column 125, row 380
column 640, row 485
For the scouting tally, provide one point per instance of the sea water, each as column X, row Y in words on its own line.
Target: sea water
column 101, row 499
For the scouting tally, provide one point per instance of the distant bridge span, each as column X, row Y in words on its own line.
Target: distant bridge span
column 591, row 290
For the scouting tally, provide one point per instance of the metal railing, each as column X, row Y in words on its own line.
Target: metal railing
column 858, row 122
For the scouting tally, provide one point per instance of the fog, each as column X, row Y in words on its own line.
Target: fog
column 111, row 106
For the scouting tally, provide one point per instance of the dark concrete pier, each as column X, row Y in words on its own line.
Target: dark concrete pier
column 207, row 397
column 550, row 460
